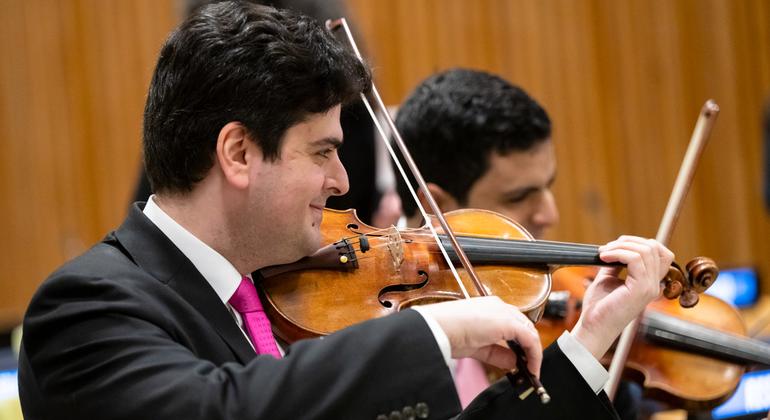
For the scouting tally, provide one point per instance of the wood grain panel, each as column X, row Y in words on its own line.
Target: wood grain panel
column 623, row 83
column 72, row 86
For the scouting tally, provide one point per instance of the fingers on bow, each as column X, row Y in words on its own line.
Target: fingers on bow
column 520, row 329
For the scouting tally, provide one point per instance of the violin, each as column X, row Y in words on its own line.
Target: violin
column 690, row 358
column 365, row 272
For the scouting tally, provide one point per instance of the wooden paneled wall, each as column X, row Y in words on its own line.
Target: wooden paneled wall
column 73, row 79
column 622, row 80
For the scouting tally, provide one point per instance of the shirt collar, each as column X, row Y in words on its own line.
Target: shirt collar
column 215, row 268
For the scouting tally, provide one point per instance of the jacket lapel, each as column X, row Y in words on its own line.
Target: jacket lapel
column 156, row 254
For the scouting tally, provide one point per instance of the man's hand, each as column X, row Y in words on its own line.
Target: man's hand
column 610, row 303
column 479, row 327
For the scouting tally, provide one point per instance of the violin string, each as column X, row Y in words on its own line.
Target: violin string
column 504, row 248
column 511, row 244
column 429, row 252
column 384, row 231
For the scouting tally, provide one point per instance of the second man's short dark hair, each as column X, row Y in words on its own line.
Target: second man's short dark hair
column 454, row 120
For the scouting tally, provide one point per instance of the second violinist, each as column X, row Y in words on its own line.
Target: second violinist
column 484, row 143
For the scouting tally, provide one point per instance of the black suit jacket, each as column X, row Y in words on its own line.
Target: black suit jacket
column 131, row 330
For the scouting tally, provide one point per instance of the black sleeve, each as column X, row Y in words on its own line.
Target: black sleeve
column 571, row 397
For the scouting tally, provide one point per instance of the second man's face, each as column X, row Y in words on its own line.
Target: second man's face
column 518, row 185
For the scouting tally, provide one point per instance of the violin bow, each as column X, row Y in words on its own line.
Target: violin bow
column 514, row 346
column 700, row 136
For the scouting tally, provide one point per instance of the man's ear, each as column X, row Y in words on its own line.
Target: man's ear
column 444, row 200
column 234, row 154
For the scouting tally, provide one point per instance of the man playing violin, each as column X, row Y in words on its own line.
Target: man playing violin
column 483, row 143
column 161, row 318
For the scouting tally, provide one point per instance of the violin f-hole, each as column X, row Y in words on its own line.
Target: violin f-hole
column 402, row 288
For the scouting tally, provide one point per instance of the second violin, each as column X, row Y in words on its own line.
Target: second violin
column 691, row 358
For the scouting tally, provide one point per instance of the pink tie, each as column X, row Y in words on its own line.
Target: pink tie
column 245, row 300
column 470, row 380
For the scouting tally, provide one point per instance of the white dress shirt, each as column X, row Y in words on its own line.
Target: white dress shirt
column 215, row 268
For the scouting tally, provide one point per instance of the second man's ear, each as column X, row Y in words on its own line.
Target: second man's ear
column 445, row 201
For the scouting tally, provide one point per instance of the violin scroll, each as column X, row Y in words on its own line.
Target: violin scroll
column 703, row 271
column 699, row 274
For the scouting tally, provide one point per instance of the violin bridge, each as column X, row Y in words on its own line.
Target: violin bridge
column 396, row 248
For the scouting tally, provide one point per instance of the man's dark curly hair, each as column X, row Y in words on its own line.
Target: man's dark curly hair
column 454, row 120
column 236, row 61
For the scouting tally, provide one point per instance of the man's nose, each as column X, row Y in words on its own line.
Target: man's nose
column 337, row 178
column 547, row 214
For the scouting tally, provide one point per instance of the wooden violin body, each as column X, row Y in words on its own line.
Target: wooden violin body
column 691, row 358
column 686, row 377
column 375, row 272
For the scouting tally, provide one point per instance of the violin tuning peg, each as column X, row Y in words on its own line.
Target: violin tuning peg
column 689, row 298
column 673, row 283
column 702, row 272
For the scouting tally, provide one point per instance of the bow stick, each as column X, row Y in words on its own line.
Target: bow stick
column 698, row 141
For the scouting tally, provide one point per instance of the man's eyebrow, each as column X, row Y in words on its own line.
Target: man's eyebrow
column 328, row 141
column 520, row 192
column 528, row 189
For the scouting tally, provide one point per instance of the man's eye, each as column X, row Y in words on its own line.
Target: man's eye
column 326, row 152
column 520, row 197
